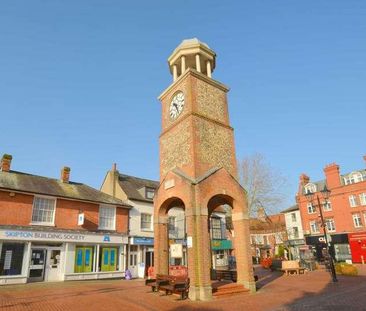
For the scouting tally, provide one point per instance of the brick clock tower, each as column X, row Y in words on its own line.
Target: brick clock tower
column 198, row 169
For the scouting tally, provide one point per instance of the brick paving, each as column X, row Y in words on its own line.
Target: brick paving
column 312, row 291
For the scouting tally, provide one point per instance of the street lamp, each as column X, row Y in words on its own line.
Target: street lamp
column 325, row 194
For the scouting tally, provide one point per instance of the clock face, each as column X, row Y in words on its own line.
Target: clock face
column 176, row 106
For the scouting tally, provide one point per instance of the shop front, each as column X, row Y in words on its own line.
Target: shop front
column 220, row 254
column 141, row 256
column 357, row 242
column 31, row 255
column 294, row 248
column 339, row 246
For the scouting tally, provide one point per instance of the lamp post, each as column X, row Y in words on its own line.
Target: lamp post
column 325, row 194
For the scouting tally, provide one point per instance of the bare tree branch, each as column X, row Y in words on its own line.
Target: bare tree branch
column 263, row 184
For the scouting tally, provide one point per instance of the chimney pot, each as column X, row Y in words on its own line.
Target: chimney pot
column 114, row 167
column 6, row 162
column 65, row 174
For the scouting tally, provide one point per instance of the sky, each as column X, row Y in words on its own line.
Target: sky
column 79, row 82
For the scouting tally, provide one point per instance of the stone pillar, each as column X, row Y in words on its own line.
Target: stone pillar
column 199, row 255
column 208, row 68
column 161, row 246
column 183, row 64
column 198, row 63
column 243, row 256
column 175, row 73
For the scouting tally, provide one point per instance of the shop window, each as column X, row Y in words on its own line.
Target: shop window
column 352, row 200
column 108, row 258
column 43, row 211
column 83, row 259
column 107, row 217
column 11, row 259
column 265, row 240
column 146, row 222
column 311, row 208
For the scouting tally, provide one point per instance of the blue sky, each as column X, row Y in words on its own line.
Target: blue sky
column 79, row 82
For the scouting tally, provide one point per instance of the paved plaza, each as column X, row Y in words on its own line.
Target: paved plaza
column 312, row 291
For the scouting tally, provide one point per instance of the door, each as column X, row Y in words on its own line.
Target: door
column 149, row 261
column 132, row 262
column 83, row 259
column 53, row 265
column 37, row 265
column 109, row 259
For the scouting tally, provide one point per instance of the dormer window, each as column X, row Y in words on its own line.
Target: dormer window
column 149, row 193
column 353, row 178
column 310, row 188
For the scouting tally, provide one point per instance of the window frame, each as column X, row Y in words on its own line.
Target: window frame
column 44, row 223
column 310, row 187
column 172, row 225
column 326, row 203
column 149, row 190
column 104, row 206
column 352, row 200
column 313, row 208
column 151, row 222
column 359, row 219
column 362, row 197
column 216, row 226
column 293, row 217
column 330, row 220
column 316, row 224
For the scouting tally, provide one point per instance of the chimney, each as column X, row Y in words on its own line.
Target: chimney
column 65, row 174
column 6, row 162
column 364, row 157
column 304, row 179
column 332, row 175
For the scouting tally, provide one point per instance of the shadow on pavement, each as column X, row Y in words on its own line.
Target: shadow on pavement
column 346, row 294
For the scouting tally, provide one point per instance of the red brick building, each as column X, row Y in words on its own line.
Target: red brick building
column 267, row 235
column 344, row 213
column 56, row 229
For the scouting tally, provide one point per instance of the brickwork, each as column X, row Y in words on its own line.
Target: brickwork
column 198, row 172
column 16, row 209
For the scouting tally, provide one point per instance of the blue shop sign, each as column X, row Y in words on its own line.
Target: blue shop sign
column 143, row 241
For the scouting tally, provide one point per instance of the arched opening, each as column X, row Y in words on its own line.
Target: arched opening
column 174, row 236
column 221, row 238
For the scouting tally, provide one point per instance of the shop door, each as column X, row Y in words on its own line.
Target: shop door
column 132, row 263
column 109, row 259
column 37, row 265
column 149, row 261
column 53, row 265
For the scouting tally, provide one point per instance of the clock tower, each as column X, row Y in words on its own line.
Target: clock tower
column 198, row 169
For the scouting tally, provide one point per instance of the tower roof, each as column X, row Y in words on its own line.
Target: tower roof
column 186, row 52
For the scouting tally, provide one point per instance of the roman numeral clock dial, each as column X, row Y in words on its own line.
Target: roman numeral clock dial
column 176, row 105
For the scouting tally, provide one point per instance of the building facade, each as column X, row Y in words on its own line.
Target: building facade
column 139, row 193
column 268, row 236
column 344, row 213
column 295, row 234
column 55, row 230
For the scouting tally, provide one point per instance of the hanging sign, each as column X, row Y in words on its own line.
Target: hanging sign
column 176, row 250
column 80, row 219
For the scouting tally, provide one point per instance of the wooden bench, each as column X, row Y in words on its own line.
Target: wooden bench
column 155, row 283
column 292, row 267
column 170, row 284
column 176, row 285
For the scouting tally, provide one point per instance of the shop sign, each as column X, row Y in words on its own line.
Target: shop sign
column 176, row 251
column 59, row 236
column 142, row 241
column 80, row 219
column 221, row 244
column 189, row 242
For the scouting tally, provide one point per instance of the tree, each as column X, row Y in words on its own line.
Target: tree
column 263, row 184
